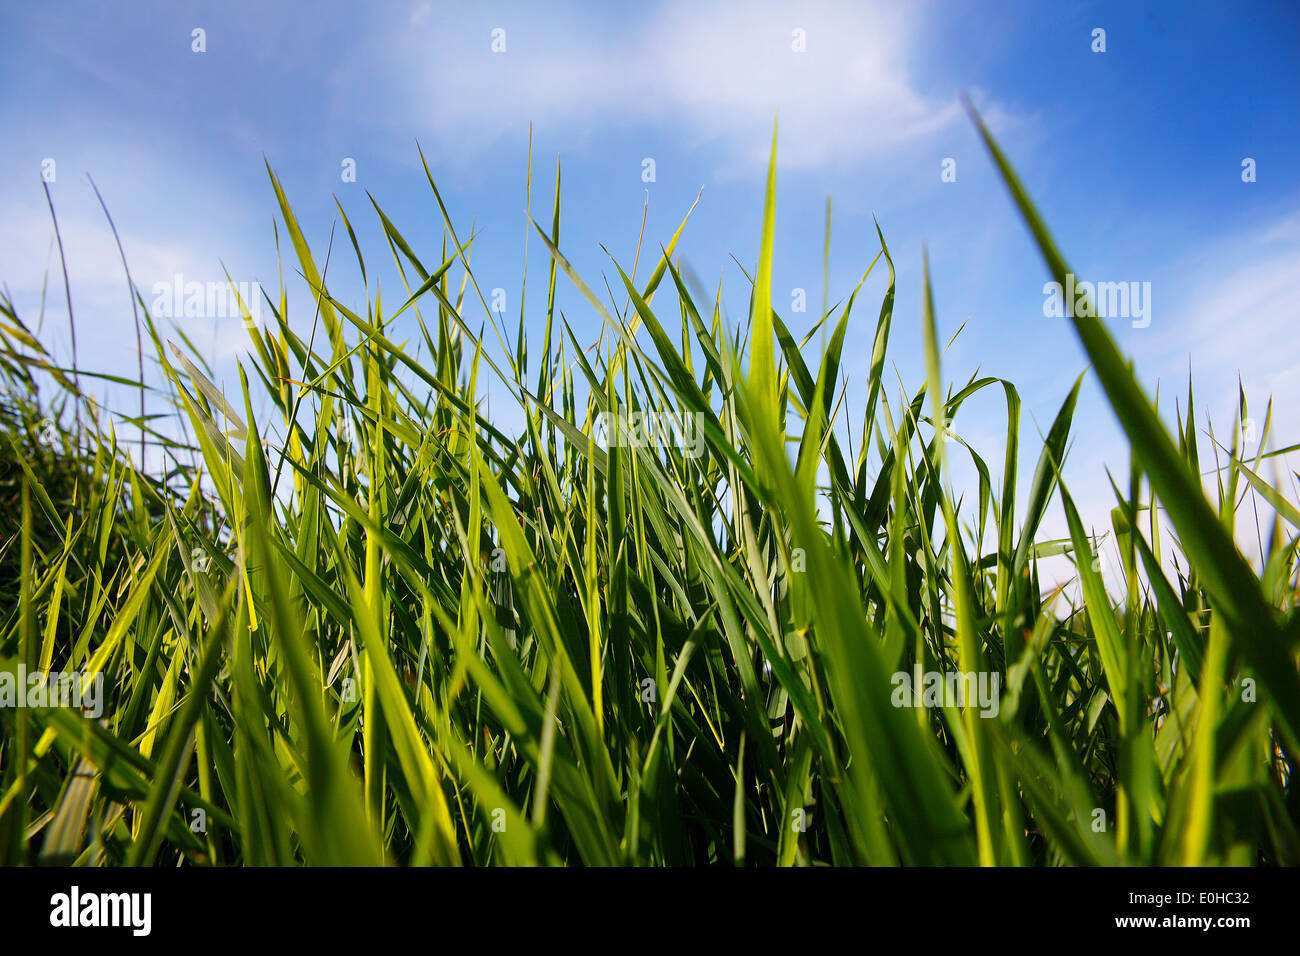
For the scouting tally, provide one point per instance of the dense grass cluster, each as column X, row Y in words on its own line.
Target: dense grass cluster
column 379, row 629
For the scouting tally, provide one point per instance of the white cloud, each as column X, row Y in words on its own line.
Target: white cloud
column 1234, row 315
column 1240, row 315
column 1286, row 230
column 717, row 73
column 100, row 302
column 173, row 220
column 93, row 260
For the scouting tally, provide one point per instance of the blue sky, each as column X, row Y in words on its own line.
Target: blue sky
column 1133, row 155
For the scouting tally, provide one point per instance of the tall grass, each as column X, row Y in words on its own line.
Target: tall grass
column 417, row 639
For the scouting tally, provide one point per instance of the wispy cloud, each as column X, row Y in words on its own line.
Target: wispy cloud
column 837, row 73
column 1239, row 314
column 157, row 251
